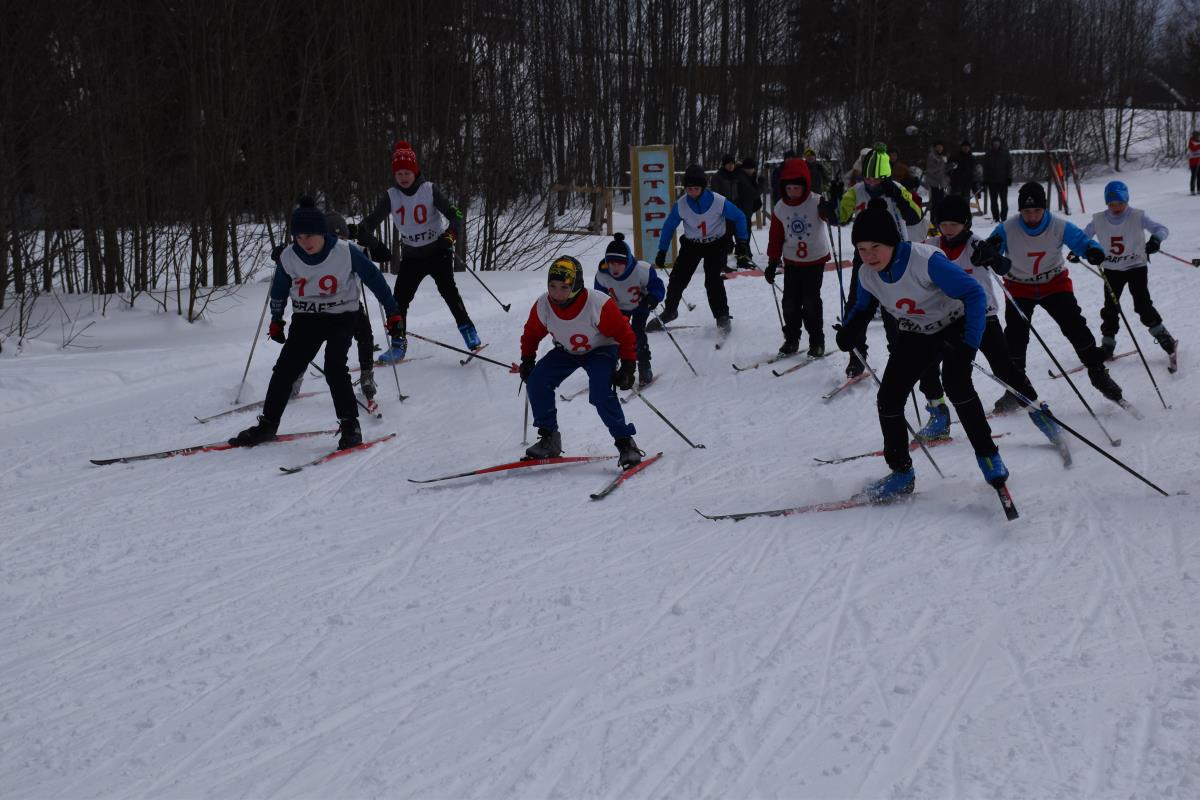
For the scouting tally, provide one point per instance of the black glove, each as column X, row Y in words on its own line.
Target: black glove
column 527, row 363
column 1094, row 256
column 957, row 348
column 826, row 209
column 1074, row 259
column 648, row 302
column 1152, row 245
column 984, row 253
column 275, row 332
column 772, row 268
column 836, row 190
column 380, row 254
column 660, row 259
column 352, row 231
column 623, row 377
column 847, row 337
column 277, row 251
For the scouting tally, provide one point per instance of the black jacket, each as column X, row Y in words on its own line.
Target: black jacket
column 997, row 165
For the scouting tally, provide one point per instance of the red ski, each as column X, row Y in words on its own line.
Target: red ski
column 1082, row 367
column 625, row 475
column 205, row 448
column 522, row 464
column 337, row 454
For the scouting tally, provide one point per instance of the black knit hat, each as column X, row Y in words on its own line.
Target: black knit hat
column 875, row 224
column 954, row 208
column 749, row 162
column 694, row 176
column 617, row 249
column 728, row 159
column 307, row 218
column 1031, row 195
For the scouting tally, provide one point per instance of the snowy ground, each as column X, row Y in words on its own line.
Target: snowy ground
column 208, row 627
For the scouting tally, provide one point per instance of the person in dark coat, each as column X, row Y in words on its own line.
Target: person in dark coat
column 749, row 198
column 727, row 182
column 962, row 170
column 997, row 176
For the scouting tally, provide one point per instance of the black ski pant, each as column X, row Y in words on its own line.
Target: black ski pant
column 637, row 320
column 1064, row 309
column 364, row 338
column 998, row 198
column 691, row 253
column 1137, row 279
column 802, row 302
column 995, row 349
column 305, row 336
column 911, row 355
column 1194, row 185
column 439, row 266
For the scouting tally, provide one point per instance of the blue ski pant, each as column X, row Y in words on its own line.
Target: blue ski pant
column 556, row 366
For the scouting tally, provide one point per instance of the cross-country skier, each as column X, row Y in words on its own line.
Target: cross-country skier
column 1119, row 231
column 428, row 227
column 589, row 332
column 940, row 313
column 321, row 274
column 1193, row 157
column 798, row 244
column 876, row 183
column 705, row 216
column 1035, row 274
column 636, row 287
column 956, row 242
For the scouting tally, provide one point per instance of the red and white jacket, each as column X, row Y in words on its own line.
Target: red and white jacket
column 1193, row 152
column 591, row 320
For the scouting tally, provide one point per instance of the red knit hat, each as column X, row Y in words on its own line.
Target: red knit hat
column 404, row 157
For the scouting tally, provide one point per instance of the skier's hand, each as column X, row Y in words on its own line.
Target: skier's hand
column 648, row 302
column 836, row 190
column 449, row 237
column 772, row 267
column 845, row 337
column 526, row 367
column 380, row 253
column 395, row 326
column 826, row 210
column 275, row 332
column 1074, row 259
column 623, row 377
column 984, row 254
column 352, row 231
column 1152, row 245
column 660, row 260
column 1094, row 256
column 277, row 251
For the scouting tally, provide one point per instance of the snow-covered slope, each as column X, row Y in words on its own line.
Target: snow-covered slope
column 205, row 626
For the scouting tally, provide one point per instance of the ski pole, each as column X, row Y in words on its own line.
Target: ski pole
column 916, row 408
column 841, row 286
column 642, row 397
column 677, row 347
column 361, row 404
column 383, row 316
column 467, row 267
column 1112, row 294
column 1013, row 302
column 253, row 343
column 525, row 430
column 1046, row 410
column 510, row 367
column 777, row 309
column 916, row 438
column 1195, row 262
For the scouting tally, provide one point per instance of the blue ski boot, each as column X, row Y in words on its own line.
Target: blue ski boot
column 1045, row 424
column 938, row 426
column 469, row 335
column 396, row 352
column 891, row 487
column 994, row 471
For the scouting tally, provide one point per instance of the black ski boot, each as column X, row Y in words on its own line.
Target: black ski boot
column 790, row 346
column 367, row 383
column 1164, row 339
column 725, row 324
column 1100, row 378
column 349, row 434
column 629, row 456
column 1007, row 404
column 816, row 349
column 855, row 367
column 264, row 431
column 548, row 445
column 662, row 320
column 645, row 374
column 1108, row 346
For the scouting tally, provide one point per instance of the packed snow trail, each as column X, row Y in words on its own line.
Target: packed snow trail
column 207, row 627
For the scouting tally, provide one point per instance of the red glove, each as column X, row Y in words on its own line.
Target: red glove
column 275, row 332
column 395, row 326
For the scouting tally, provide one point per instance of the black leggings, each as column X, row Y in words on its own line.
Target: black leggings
column 691, row 253
column 1064, row 309
column 440, row 267
column 1137, row 279
column 995, row 349
column 802, row 301
column 305, row 336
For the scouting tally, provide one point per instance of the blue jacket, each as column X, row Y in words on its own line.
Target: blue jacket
column 701, row 204
column 654, row 286
column 367, row 272
column 948, row 276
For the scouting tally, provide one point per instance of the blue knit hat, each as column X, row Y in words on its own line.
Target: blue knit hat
column 1116, row 192
column 307, row 218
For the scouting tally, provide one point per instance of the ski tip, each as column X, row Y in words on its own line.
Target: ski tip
column 201, row 421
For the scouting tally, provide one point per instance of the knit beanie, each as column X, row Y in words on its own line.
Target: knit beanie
column 617, row 250
column 404, row 157
column 1116, row 192
column 694, row 176
column 875, row 224
column 1031, row 195
column 307, row 218
column 877, row 164
column 336, row 224
column 954, row 208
